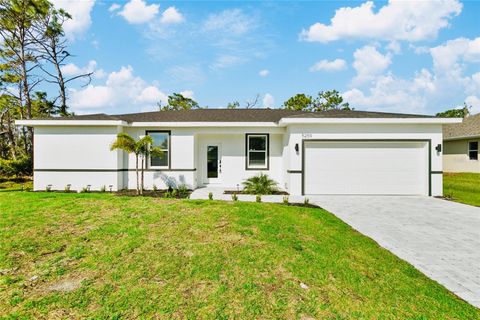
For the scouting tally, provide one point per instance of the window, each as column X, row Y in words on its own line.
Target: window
column 473, row 150
column 257, row 151
column 161, row 139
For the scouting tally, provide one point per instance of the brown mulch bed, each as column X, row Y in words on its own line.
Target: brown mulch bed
column 151, row 193
column 276, row 193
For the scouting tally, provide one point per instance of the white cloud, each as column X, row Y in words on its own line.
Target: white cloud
column 138, row 12
column 268, row 101
column 225, row 61
column 446, row 85
column 71, row 70
column 369, row 63
column 121, row 92
column 454, row 52
column 171, row 16
column 80, row 12
column 397, row 20
column 325, row 65
column 394, row 47
column 264, row 73
column 187, row 94
column 231, row 21
column 114, row 7
column 474, row 102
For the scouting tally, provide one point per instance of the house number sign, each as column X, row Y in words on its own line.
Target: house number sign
column 306, row 135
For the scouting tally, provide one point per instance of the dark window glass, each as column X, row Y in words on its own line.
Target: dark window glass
column 257, row 151
column 473, row 150
column 212, row 162
column 257, row 143
column 257, row 158
column 160, row 140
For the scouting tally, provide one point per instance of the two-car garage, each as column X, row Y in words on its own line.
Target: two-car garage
column 366, row 167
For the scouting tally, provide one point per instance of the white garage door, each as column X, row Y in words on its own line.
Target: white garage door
column 370, row 167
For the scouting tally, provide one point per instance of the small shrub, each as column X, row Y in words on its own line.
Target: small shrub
column 174, row 193
column 103, row 188
column 84, row 190
column 167, row 194
column 285, row 199
column 306, row 201
column 234, row 197
column 258, row 198
column 67, row 188
column 260, row 184
column 48, row 188
column 155, row 187
column 182, row 191
column 210, row 196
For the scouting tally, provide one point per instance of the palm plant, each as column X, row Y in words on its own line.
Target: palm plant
column 142, row 149
column 260, row 184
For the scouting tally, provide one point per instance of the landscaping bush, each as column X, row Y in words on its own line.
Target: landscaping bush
column 16, row 168
column 260, row 184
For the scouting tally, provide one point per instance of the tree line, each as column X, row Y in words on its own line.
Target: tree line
column 325, row 100
column 33, row 50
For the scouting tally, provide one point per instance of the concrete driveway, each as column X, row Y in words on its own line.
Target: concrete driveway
column 438, row 237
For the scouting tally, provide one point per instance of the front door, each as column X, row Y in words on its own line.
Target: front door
column 214, row 163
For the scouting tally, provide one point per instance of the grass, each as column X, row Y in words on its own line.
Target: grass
column 106, row 256
column 9, row 184
column 462, row 187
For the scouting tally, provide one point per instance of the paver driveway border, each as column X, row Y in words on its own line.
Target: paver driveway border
column 438, row 237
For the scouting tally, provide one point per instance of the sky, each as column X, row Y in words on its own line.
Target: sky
column 394, row 56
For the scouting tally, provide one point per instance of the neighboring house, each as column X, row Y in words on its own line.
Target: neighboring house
column 334, row 152
column 461, row 142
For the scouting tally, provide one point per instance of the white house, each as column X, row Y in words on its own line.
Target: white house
column 334, row 152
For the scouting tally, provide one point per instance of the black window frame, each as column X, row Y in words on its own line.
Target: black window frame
column 267, row 153
column 169, row 150
column 472, row 151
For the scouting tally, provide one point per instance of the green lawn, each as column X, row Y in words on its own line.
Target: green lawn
column 462, row 187
column 103, row 256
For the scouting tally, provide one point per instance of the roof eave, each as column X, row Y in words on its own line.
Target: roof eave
column 56, row 123
column 287, row 121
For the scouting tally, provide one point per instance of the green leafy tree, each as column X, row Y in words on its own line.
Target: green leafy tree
column 300, row 101
column 18, row 59
column 329, row 100
column 325, row 100
column 177, row 101
column 455, row 113
column 233, row 105
column 142, row 149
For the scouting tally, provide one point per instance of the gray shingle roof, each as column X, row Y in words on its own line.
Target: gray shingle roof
column 470, row 127
column 235, row 115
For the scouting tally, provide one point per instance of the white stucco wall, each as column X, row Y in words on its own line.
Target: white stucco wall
column 295, row 134
column 79, row 156
column 232, row 153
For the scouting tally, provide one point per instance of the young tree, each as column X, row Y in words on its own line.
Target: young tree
column 455, row 113
column 142, row 149
column 51, row 46
column 300, row 101
column 233, row 105
column 177, row 101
